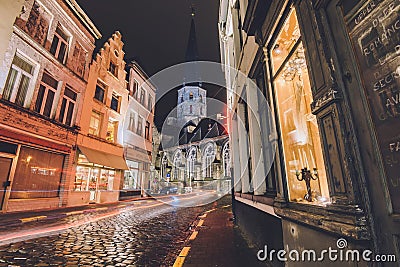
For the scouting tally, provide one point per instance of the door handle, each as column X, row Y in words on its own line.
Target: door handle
column 6, row 184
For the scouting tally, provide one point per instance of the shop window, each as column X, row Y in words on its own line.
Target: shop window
column 115, row 102
column 131, row 123
column 46, row 95
column 67, row 106
column 59, row 46
column 95, row 122
column 37, row 175
column 299, row 129
column 113, row 68
column 100, row 91
column 139, row 129
column 106, row 181
column 147, row 131
column 111, row 131
column 18, row 81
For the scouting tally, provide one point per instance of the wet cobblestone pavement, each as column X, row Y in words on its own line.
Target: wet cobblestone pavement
column 144, row 234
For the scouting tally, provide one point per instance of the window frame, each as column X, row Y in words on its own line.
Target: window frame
column 69, row 101
column 47, row 88
column 60, row 41
column 96, row 131
column 14, row 91
column 103, row 87
column 117, row 98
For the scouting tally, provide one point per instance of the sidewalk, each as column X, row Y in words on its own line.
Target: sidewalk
column 215, row 241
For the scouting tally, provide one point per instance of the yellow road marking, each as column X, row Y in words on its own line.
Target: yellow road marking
column 184, row 252
column 226, row 206
column 123, row 205
column 194, row 235
column 32, row 219
column 203, row 216
column 208, row 211
column 200, row 223
column 179, row 262
column 104, row 208
column 74, row 212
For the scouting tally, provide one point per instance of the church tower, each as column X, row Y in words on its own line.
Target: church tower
column 192, row 104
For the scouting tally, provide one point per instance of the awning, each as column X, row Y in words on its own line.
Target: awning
column 105, row 159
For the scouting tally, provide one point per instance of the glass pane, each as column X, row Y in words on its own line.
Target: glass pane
column 103, row 182
column 299, row 130
column 287, row 38
column 82, row 178
column 22, row 90
column 17, row 61
column 62, row 110
column 38, row 174
column 62, row 52
column 39, row 99
column 10, row 83
column 69, row 93
column 49, row 103
column 99, row 94
column 47, row 79
column 70, row 113
column 54, row 44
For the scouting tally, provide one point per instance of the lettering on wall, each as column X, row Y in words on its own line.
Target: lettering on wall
column 375, row 35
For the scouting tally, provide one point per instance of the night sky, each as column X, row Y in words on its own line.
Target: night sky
column 155, row 34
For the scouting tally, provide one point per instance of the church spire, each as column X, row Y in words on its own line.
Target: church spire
column 191, row 50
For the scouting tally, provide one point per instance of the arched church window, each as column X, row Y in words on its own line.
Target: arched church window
column 201, row 98
column 191, row 109
column 177, row 165
column 192, row 155
column 191, row 96
column 164, row 163
column 201, row 110
column 209, row 156
column 226, row 160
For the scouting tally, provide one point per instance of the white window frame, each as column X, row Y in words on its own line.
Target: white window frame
column 14, row 90
column 98, row 129
column 47, row 88
column 132, row 127
column 69, row 102
column 61, row 40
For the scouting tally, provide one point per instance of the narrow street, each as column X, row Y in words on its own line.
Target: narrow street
column 136, row 233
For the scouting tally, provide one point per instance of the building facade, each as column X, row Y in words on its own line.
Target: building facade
column 328, row 70
column 43, row 79
column 138, row 132
column 100, row 162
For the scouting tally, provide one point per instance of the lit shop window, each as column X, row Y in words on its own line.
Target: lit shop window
column 59, row 46
column 67, row 106
column 18, row 81
column 95, row 121
column 106, row 181
column 46, row 95
column 305, row 168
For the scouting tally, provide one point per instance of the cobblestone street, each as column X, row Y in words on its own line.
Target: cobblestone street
column 140, row 233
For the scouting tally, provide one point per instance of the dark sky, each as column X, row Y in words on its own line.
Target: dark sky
column 155, row 32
